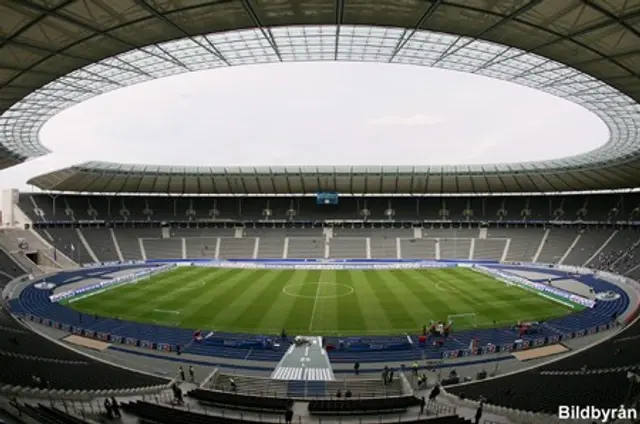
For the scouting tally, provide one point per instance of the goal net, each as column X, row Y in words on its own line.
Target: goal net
column 463, row 320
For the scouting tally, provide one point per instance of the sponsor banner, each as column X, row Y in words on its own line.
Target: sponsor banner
column 90, row 333
column 580, row 333
column 45, row 321
column 65, row 327
column 163, row 347
column 592, row 330
column 36, row 319
column 55, row 324
column 146, row 344
column 489, row 348
column 116, row 339
column 103, row 336
column 603, row 327
column 566, row 336
column 131, row 341
column 77, row 330
column 329, row 265
column 553, row 339
column 507, row 348
column 539, row 342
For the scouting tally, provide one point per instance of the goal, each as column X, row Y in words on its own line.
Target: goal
column 464, row 320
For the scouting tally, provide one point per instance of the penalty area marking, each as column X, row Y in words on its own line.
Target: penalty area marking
column 317, row 295
column 167, row 311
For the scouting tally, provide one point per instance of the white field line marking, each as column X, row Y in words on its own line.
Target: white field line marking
column 315, row 305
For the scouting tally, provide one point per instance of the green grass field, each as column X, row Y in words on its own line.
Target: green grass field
column 326, row 302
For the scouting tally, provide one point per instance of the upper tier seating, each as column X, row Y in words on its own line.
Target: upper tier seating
column 610, row 208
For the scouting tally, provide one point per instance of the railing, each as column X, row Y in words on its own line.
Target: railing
column 93, row 409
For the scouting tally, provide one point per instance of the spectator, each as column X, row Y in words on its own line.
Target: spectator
column 192, row 376
column 478, row 414
column 115, row 407
column 107, row 407
column 356, row 367
column 434, row 392
column 288, row 416
column 423, row 402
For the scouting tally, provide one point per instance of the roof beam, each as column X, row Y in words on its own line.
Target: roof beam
column 339, row 18
column 569, row 37
column 266, row 32
column 511, row 16
column 304, row 188
column 257, row 177
column 28, row 4
column 211, row 47
column 622, row 21
column 404, row 38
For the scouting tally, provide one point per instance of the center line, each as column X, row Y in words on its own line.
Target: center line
column 315, row 304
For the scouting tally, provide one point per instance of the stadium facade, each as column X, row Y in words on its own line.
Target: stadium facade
column 103, row 216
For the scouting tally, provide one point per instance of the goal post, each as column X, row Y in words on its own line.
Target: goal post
column 469, row 320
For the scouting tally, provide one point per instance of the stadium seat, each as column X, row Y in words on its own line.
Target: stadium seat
column 239, row 401
column 362, row 406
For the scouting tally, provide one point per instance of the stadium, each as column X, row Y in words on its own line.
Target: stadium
column 496, row 293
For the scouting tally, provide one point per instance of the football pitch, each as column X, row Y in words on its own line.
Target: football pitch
column 320, row 302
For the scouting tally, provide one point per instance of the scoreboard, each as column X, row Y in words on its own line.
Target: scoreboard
column 327, row 198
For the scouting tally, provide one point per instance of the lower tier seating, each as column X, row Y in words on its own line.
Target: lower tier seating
column 362, row 406
column 159, row 414
column 237, row 401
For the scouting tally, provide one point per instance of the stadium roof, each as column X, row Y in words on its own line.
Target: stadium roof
column 57, row 53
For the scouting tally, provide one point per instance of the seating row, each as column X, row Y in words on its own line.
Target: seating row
column 362, row 406
column 238, row 401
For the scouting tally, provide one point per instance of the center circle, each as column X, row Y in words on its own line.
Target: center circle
column 341, row 290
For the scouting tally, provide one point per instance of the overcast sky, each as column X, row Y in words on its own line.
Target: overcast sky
column 315, row 114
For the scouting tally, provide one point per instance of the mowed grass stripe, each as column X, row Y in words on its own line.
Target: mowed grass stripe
column 279, row 315
column 382, row 302
column 416, row 300
column 203, row 309
column 349, row 315
column 167, row 298
column 259, row 301
column 374, row 316
column 249, row 297
column 472, row 288
column 326, row 313
column 299, row 316
column 422, row 287
column 110, row 303
column 397, row 314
